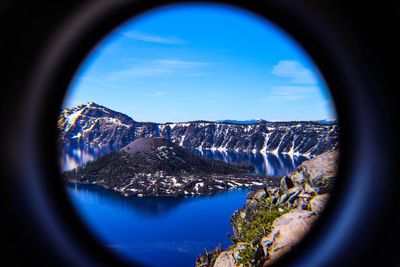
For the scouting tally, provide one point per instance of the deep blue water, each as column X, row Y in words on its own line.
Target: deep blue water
column 157, row 231
column 167, row 231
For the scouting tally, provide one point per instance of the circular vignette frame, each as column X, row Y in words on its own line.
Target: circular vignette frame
column 356, row 95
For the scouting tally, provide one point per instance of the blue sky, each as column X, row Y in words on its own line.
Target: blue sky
column 202, row 62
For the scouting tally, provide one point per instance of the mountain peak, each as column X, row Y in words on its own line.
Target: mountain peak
column 93, row 125
column 94, row 110
column 93, row 104
column 149, row 145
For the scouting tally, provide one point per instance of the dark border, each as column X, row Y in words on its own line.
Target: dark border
column 352, row 221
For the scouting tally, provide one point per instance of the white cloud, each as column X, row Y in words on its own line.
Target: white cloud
column 294, row 71
column 160, row 67
column 139, row 71
column 156, row 94
column 150, row 38
column 291, row 93
column 174, row 63
column 95, row 84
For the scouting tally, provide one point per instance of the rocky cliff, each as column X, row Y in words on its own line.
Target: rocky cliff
column 274, row 219
column 95, row 126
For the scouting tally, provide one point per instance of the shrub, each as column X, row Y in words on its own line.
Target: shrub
column 247, row 255
column 260, row 224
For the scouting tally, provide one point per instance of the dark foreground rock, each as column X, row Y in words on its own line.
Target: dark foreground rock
column 157, row 167
column 274, row 219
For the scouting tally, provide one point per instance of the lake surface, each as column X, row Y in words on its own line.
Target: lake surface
column 264, row 163
column 157, row 231
column 168, row 231
column 267, row 164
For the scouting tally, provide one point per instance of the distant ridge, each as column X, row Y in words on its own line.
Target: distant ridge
column 92, row 126
column 245, row 122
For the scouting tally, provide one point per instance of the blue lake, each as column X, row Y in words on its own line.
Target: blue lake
column 169, row 231
column 267, row 164
column 157, row 231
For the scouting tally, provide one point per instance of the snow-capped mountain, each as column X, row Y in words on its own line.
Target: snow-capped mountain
column 95, row 126
column 307, row 138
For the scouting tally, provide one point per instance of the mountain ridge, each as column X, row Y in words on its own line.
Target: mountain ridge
column 92, row 125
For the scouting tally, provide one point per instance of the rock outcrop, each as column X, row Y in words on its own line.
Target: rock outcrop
column 274, row 219
column 287, row 231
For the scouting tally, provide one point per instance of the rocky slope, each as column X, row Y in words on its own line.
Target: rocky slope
column 95, row 126
column 274, row 219
column 92, row 125
column 155, row 166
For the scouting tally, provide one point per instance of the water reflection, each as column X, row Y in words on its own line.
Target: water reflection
column 264, row 163
column 72, row 157
column 147, row 206
column 267, row 164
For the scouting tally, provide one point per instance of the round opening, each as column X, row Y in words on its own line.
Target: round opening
column 198, row 134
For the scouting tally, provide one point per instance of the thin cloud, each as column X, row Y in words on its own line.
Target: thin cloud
column 291, row 93
column 198, row 74
column 174, row 63
column 95, row 84
column 294, row 71
column 160, row 67
column 156, row 94
column 150, row 38
column 139, row 71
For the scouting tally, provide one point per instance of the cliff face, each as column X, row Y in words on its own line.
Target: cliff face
column 274, row 219
column 95, row 126
column 308, row 138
